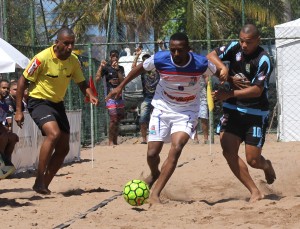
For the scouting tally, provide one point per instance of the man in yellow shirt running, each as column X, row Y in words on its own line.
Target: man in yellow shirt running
column 49, row 74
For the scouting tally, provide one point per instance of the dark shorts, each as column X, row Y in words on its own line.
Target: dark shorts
column 43, row 111
column 250, row 128
column 146, row 110
column 116, row 109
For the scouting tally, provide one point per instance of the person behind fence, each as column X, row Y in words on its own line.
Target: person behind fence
column 149, row 81
column 49, row 74
column 8, row 139
column 176, row 105
column 203, row 112
column 246, row 106
column 113, row 74
column 11, row 102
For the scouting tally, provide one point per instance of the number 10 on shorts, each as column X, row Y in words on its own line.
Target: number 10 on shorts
column 257, row 132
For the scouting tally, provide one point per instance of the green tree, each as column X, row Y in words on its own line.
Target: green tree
column 226, row 16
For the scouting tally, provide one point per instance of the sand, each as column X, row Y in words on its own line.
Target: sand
column 202, row 193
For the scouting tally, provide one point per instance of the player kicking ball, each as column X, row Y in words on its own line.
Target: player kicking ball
column 176, row 105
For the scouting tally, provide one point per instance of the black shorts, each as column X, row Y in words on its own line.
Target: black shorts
column 250, row 128
column 43, row 111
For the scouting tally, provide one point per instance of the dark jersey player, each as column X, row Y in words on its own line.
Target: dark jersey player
column 246, row 106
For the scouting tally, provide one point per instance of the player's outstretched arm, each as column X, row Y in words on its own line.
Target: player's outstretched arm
column 222, row 70
column 19, row 116
column 116, row 93
column 87, row 91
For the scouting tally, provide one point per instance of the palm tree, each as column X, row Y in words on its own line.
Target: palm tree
column 136, row 19
column 225, row 16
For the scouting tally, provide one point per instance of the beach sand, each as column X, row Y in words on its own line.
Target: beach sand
column 202, row 193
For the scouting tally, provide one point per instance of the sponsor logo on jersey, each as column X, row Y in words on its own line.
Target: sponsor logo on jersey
column 152, row 130
column 193, row 81
column 34, row 66
column 222, row 49
column 261, row 76
column 10, row 107
column 248, row 68
column 181, row 88
column 238, row 56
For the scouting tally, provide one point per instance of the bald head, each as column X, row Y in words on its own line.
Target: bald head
column 250, row 29
column 64, row 43
column 249, row 39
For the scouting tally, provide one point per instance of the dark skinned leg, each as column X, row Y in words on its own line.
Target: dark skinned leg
column 53, row 134
column 230, row 144
column 153, row 160
column 178, row 141
column 57, row 158
column 257, row 161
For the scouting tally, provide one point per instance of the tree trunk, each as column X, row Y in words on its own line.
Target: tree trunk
column 287, row 10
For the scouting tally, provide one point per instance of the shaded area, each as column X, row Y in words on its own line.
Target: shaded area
column 139, row 209
column 273, row 197
column 19, row 190
column 219, row 201
column 5, row 202
column 79, row 192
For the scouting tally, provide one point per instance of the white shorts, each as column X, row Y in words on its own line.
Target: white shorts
column 163, row 124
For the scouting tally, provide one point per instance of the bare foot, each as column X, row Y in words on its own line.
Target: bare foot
column 270, row 173
column 41, row 189
column 255, row 196
column 196, row 141
column 113, row 145
column 153, row 200
column 151, row 179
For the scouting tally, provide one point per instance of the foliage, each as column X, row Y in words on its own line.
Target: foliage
column 177, row 23
column 18, row 22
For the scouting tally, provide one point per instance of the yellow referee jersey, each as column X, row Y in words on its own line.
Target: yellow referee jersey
column 51, row 76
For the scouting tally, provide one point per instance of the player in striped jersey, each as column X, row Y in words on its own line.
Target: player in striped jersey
column 176, row 105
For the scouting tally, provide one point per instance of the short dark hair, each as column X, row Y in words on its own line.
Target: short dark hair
column 3, row 80
column 251, row 28
column 65, row 31
column 12, row 83
column 114, row 52
column 180, row 37
column 146, row 56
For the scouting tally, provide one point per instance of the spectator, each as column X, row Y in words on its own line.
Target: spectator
column 203, row 112
column 50, row 73
column 138, row 49
column 11, row 102
column 113, row 74
column 162, row 44
column 149, row 81
column 8, row 139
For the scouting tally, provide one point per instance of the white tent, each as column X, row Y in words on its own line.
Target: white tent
column 11, row 58
column 288, row 80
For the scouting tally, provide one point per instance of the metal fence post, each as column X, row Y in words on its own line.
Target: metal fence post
column 211, row 113
column 243, row 12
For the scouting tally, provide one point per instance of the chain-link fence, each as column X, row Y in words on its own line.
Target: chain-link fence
column 102, row 25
